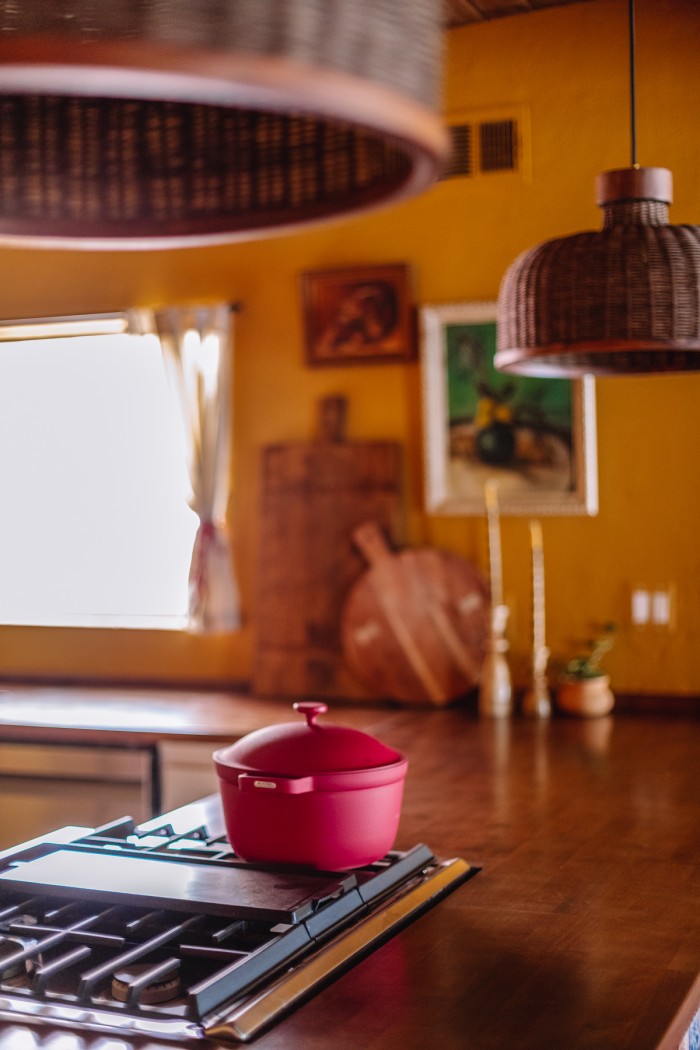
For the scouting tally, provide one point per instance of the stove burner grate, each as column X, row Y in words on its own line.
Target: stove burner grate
column 105, row 931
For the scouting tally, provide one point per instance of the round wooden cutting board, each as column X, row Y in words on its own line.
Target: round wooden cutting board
column 414, row 627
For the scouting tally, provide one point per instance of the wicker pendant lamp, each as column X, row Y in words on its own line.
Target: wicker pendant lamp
column 161, row 123
column 622, row 300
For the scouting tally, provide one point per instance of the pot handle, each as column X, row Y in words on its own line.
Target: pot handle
column 280, row 785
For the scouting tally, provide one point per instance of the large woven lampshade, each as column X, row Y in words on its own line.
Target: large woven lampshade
column 621, row 300
column 158, row 123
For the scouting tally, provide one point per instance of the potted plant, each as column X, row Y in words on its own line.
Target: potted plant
column 584, row 687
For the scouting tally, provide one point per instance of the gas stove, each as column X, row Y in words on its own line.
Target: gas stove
column 160, row 931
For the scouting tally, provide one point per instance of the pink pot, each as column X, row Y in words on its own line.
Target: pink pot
column 325, row 797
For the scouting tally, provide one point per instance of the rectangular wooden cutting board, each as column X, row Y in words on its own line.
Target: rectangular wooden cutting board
column 314, row 494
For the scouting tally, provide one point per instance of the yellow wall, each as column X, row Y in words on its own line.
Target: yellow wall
column 568, row 68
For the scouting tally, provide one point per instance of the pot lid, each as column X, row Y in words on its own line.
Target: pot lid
column 303, row 748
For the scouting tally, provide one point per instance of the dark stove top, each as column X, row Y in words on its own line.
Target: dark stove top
column 163, row 931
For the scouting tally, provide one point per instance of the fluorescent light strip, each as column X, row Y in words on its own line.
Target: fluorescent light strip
column 55, row 327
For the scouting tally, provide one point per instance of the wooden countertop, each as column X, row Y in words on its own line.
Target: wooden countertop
column 137, row 718
column 581, row 930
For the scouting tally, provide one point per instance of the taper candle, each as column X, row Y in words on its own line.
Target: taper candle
column 538, row 633
column 491, row 496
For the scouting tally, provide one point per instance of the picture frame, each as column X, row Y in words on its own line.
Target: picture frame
column 359, row 315
column 536, row 437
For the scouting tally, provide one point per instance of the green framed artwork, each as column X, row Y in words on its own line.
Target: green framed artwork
column 536, row 437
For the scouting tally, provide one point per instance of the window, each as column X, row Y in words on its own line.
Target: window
column 94, row 524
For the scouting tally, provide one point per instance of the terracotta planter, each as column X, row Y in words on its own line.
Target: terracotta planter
column 586, row 697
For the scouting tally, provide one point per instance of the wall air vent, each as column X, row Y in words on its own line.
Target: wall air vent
column 460, row 160
column 498, row 143
column 486, row 144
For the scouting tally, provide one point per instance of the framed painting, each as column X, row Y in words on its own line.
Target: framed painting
column 536, row 437
column 361, row 315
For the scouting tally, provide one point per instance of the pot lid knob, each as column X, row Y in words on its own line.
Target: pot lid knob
column 311, row 709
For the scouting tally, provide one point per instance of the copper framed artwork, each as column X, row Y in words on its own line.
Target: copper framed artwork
column 362, row 315
column 536, row 437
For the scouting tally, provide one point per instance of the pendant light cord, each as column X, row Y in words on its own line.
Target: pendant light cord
column 633, row 89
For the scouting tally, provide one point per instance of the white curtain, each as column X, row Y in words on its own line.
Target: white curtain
column 197, row 344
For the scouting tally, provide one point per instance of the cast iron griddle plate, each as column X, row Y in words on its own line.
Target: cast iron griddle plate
column 195, row 887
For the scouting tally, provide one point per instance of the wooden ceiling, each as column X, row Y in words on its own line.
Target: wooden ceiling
column 464, row 12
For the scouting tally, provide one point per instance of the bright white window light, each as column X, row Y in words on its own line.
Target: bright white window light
column 94, row 524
